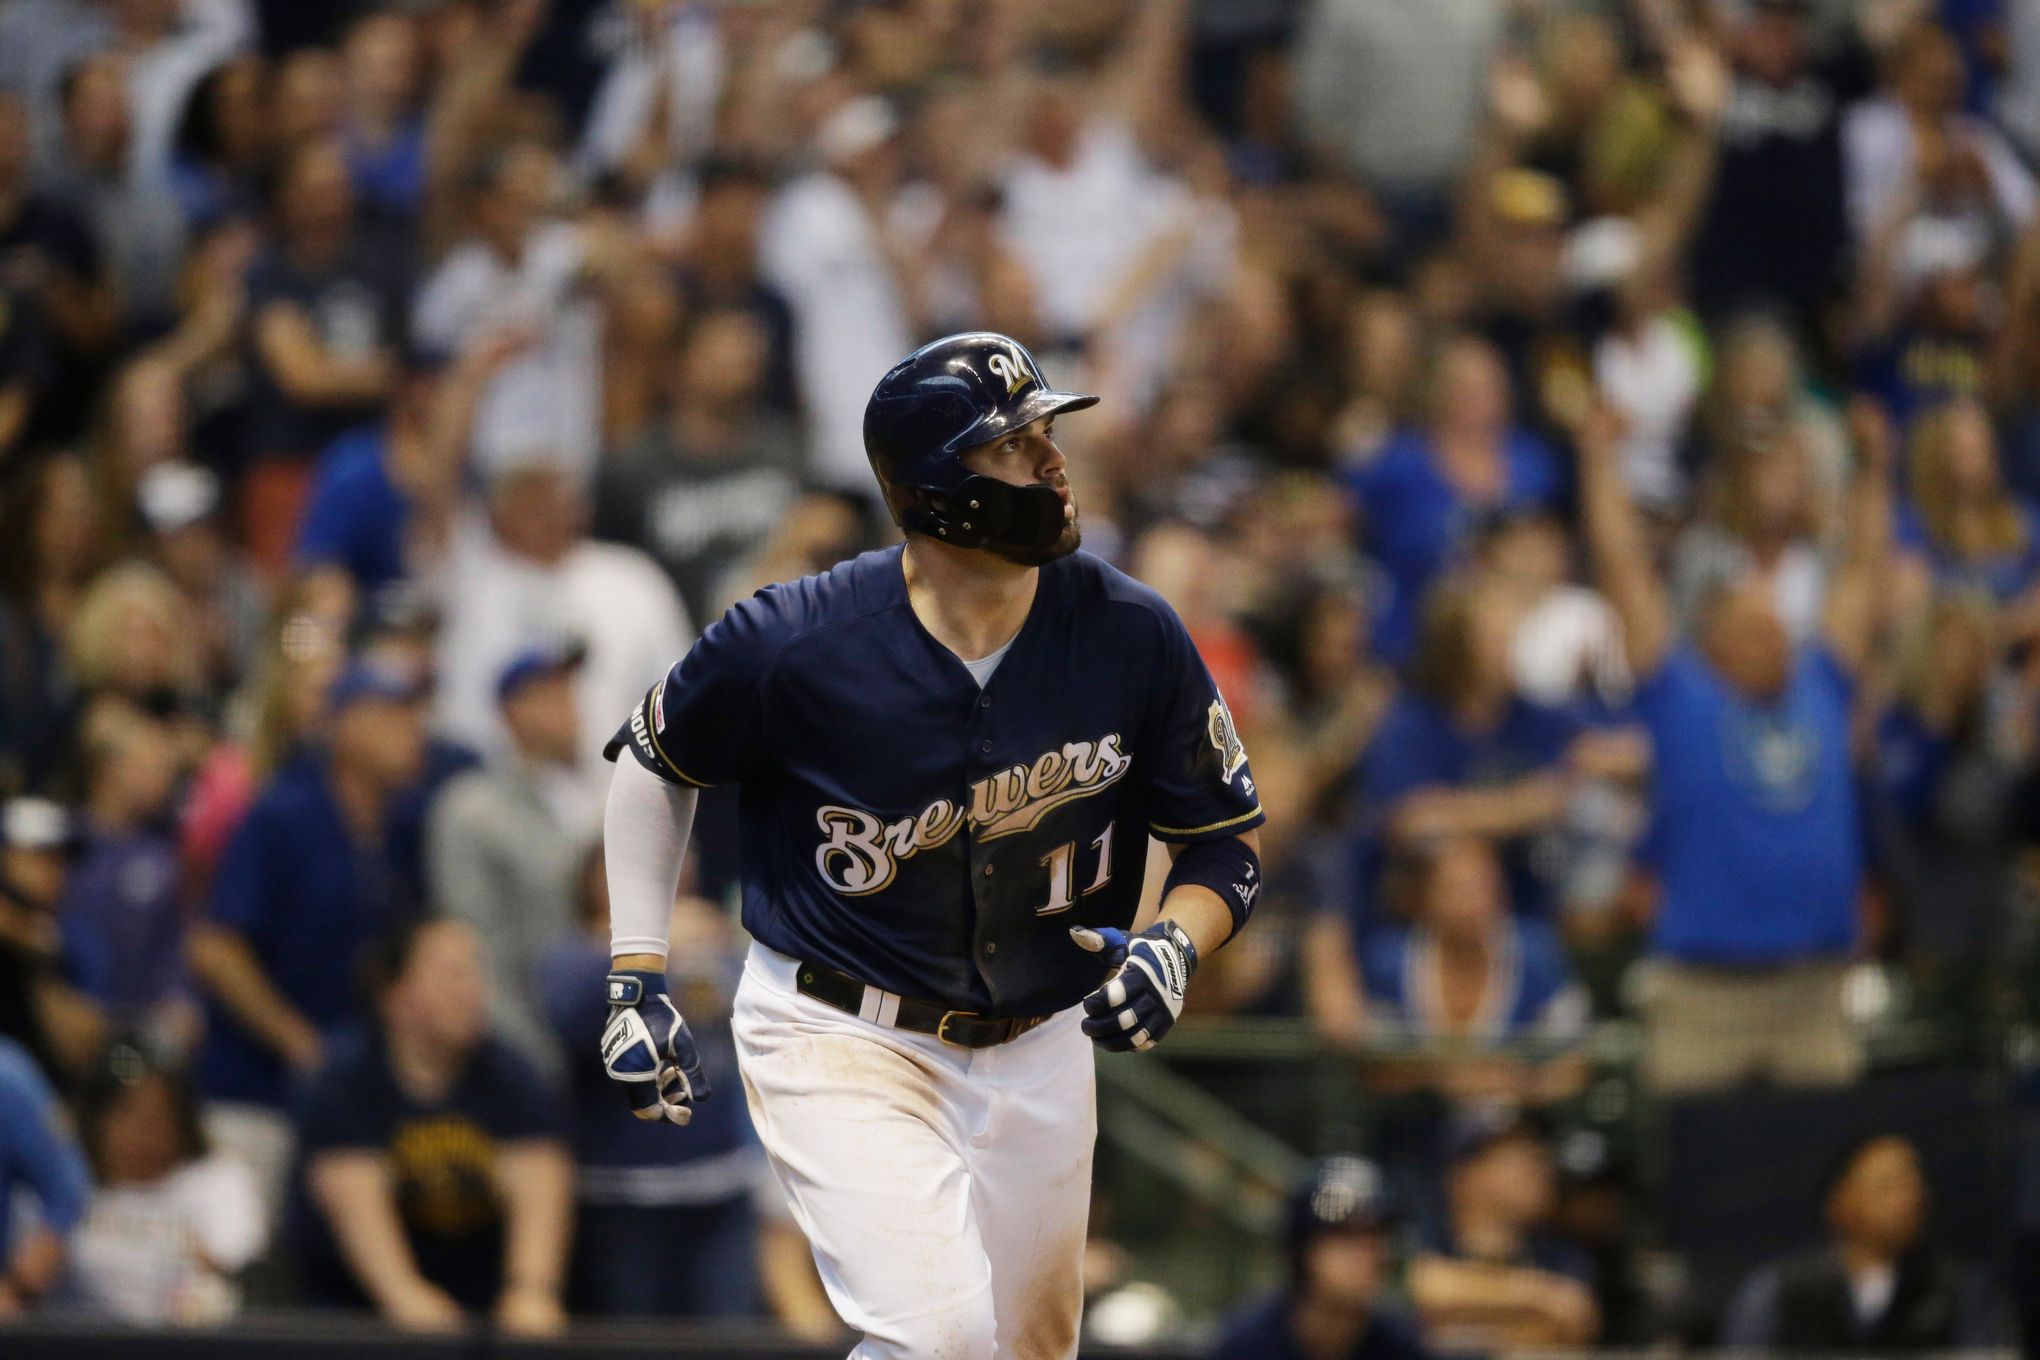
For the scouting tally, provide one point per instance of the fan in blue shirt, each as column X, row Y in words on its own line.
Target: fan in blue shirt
column 314, row 874
column 1461, row 753
column 1422, row 496
column 1755, row 832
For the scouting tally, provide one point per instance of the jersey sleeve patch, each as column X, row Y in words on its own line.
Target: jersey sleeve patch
column 641, row 732
column 1201, row 783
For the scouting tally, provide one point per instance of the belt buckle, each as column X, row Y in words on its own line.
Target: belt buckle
column 942, row 1026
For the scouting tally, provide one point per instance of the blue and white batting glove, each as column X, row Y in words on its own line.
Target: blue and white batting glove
column 1140, row 1002
column 646, row 1046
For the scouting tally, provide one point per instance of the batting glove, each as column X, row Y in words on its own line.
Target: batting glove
column 646, row 1046
column 1141, row 1000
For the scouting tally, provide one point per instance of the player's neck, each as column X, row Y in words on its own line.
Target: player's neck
column 970, row 601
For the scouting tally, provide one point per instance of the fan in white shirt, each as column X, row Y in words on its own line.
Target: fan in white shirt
column 170, row 1224
column 528, row 574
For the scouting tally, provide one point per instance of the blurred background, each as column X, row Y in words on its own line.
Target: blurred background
column 1594, row 444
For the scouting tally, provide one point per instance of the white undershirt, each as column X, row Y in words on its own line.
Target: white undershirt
column 1870, row 1291
column 982, row 668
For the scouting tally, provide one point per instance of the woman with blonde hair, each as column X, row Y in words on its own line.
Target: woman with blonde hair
column 133, row 636
column 1962, row 523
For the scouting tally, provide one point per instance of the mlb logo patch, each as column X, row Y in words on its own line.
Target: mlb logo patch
column 659, row 708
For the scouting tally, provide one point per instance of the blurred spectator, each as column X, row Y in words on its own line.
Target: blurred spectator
column 383, row 498
column 307, row 883
column 1914, row 138
column 1339, row 1257
column 1105, row 203
column 223, row 141
column 1467, row 972
column 49, row 548
column 1876, row 1283
column 1961, row 523
column 37, row 1155
column 384, row 131
column 526, row 270
column 276, row 717
column 702, row 491
column 122, row 912
column 432, row 1183
column 719, row 268
column 504, row 841
column 655, row 110
column 668, row 1226
column 1394, row 91
column 326, row 299
column 133, row 638
column 171, row 1224
column 1460, row 752
column 53, row 268
column 1774, row 230
column 531, row 575
column 1487, row 1276
column 1951, row 753
column 135, row 220
column 54, row 1022
column 1567, row 649
column 1420, row 495
column 1755, row 835
column 826, row 246
column 168, row 46
column 1759, row 523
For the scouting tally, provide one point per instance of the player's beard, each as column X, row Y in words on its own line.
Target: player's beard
column 1065, row 543
column 1062, row 545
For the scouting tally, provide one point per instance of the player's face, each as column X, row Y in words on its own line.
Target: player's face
column 1028, row 456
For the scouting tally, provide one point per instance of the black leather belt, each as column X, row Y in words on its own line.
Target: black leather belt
column 965, row 1029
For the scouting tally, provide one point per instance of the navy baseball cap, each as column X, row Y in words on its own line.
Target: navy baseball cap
column 1474, row 1132
column 538, row 663
column 366, row 679
column 1340, row 1192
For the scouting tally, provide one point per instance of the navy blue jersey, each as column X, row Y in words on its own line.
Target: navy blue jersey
column 932, row 839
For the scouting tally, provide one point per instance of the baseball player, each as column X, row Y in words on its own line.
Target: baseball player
column 951, row 754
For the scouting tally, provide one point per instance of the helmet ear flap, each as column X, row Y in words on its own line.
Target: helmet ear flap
column 985, row 512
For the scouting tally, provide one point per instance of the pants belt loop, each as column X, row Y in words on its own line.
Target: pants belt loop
column 888, row 1009
column 868, row 1007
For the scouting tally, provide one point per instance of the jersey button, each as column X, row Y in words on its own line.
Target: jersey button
column 984, row 701
column 988, row 871
column 991, row 946
column 985, row 748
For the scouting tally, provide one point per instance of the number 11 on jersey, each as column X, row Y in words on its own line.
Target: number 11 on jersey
column 1059, row 860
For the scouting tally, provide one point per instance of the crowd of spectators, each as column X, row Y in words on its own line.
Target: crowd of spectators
column 1595, row 444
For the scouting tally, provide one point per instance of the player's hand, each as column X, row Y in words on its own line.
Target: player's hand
column 646, row 1046
column 1139, row 1003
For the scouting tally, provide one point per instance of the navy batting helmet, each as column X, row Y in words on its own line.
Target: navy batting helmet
column 943, row 398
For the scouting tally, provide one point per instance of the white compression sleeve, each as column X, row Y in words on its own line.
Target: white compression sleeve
column 644, row 838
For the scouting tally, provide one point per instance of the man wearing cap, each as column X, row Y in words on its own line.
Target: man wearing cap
column 1340, row 1250
column 532, row 572
column 306, row 883
column 504, row 841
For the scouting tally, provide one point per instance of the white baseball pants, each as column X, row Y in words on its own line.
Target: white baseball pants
column 944, row 1190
